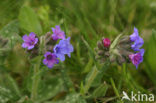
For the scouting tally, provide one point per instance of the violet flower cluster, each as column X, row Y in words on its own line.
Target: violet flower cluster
column 122, row 50
column 137, row 57
column 64, row 47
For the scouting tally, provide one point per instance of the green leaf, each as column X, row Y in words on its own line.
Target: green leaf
column 102, row 70
column 10, row 32
column 114, row 87
column 8, row 87
column 88, row 66
column 150, row 55
column 71, row 98
column 100, row 91
column 90, row 78
column 5, row 95
column 43, row 13
column 51, row 88
column 13, row 85
column 74, row 98
column 11, row 29
column 29, row 21
column 151, row 50
column 91, row 51
column 36, row 59
column 82, row 88
column 115, row 42
column 97, row 79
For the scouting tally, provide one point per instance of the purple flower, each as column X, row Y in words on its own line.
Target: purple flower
column 137, row 58
column 58, row 33
column 50, row 59
column 29, row 41
column 138, row 41
column 64, row 47
column 135, row 35
column 137, row 44
column 142, row 51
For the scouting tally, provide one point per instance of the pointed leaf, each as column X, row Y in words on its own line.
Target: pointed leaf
column 29, row 21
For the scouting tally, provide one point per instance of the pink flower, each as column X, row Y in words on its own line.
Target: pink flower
column 106, row 42
column 29, row 41
column 58, row 33
column 137, row 58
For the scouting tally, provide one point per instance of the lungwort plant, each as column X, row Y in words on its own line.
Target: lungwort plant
column 46, row 46
column 122, row 50
column 60, row 51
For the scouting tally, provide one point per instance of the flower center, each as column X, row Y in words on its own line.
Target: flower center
column 32, row 43
column 57, row 49
column 49, row 57
column 137, row 58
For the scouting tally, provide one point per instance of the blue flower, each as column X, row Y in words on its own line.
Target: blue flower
column 135, row 35
column 64, row 47
column 138, row 41
column 142, row 51
column 136, row 58
column 137, row 44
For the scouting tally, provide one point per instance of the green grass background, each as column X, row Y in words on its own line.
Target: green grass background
column 86, row 21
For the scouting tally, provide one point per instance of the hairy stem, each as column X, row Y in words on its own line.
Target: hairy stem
column 91, row 79
column 36, row 79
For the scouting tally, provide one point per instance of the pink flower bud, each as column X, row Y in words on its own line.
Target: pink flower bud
column 106, row 42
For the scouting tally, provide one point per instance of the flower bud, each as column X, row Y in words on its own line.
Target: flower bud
column 3, row 42
column 49, row 40
column 99, row 44
column 102, row 51
column 34, row 52
column 106, row 42
column 120, row 60
column 107, row 54
column 124, row 49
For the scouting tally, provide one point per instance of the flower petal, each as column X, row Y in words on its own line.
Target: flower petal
column 142, row 51
column 135, row 35
column 32, row 35
column 25, row 45
column 57, row 33
column 61, row 57
column 25, row 38
column 45, row 61
column 36, row 40
column 136, row 58
column 30, row 47
column 47, row 53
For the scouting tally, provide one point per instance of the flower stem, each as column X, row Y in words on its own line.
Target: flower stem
column 124, row 70
column 36, row 79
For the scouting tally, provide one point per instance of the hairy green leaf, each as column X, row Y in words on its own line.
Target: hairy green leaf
column 29, row 21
